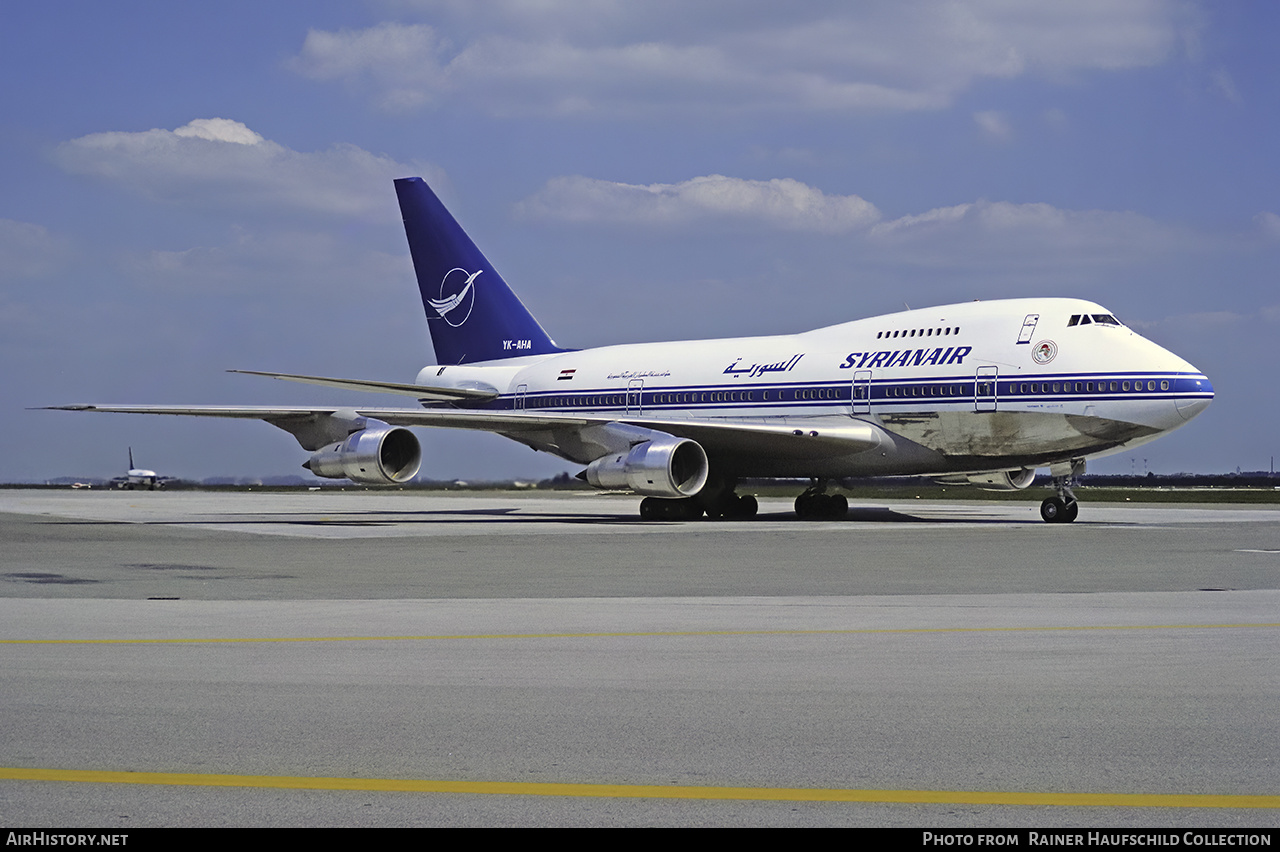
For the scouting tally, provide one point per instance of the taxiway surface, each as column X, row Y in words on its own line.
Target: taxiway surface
column 351, row 659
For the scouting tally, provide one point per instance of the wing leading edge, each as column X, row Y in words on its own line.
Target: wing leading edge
column 720, row 438
column 426, row 393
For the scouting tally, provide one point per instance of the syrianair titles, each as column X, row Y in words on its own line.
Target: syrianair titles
column 981, row 392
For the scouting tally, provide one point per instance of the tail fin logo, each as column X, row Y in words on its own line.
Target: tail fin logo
column 461, row 292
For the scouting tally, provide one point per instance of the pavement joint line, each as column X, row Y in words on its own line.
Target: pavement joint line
column 647, row 791
column 633, row 635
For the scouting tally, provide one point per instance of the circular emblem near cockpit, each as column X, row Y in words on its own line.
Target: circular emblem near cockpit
column 1044, row 351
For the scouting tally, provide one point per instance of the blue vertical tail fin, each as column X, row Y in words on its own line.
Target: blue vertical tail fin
column 472, row 314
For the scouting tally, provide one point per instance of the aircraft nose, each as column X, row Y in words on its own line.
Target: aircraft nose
column 1189, row 407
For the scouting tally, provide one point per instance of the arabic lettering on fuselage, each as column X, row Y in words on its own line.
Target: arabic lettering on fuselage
column 756, row 370
column 906, row 358
column 639, row 374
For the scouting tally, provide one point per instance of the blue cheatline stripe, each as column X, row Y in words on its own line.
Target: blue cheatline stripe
column 883, row 393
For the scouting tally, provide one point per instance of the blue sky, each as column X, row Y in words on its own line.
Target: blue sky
column 189, row 188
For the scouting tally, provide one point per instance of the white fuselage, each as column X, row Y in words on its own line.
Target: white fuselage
column 976, row 386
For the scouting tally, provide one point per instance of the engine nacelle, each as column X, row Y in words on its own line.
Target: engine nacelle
column 663, row 466
column 996, row 480
column 378, row 454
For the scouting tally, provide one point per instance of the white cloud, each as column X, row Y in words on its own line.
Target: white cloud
column 219, row 130
column 1268, row 223
column 979, row 233
column 1055, row 118
column 288, row 263
column 781, row 203
column 220, row 162
column 28, row 251
column 994, row 124
column 1225, row 85
column 1040, row 241
column 404, row 62
column 1033, row 226
column 609, row 57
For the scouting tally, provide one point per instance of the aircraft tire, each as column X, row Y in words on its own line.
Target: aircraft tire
column 658, row 509
column 685, row 509
column 1053, row 510
column 1070, row 512
column 747, row 507
column 821, row 507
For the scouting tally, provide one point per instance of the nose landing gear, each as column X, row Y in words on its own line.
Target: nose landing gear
column 1062, row 509
column 1055, row 510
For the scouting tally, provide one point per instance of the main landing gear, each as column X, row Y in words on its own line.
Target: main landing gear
column 659, row 509
column 815, row 504
column 727, row 505
column 1062, row 509
column 733, row 506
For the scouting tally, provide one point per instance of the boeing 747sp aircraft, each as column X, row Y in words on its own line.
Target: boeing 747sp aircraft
column 980, row 392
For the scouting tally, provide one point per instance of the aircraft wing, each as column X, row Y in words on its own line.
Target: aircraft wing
column 488, row 421
column 816, row 438
column 813, row 438
column 423, row 392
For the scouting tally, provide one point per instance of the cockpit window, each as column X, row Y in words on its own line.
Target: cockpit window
column 1090, row 319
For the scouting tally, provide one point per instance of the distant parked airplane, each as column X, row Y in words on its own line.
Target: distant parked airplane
column 138, row 478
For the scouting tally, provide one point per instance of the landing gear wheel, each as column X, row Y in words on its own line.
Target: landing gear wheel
column 1070, row 512
column 821, row 507
column 1063, row 509
column 658, row 509
column 1052, row 510
column 732, row 506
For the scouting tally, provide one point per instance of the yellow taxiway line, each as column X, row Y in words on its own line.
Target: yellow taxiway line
column 647, row 791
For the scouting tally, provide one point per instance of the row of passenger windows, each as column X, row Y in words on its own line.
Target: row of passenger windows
column 604, row 401
column 1085, row 387
column 685, row 398
column 964, row 389
column 919, row 332
column 957, row 389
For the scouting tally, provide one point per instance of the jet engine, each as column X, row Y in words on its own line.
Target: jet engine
column 996, row 480
column 662, row 466
column 378, row 454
